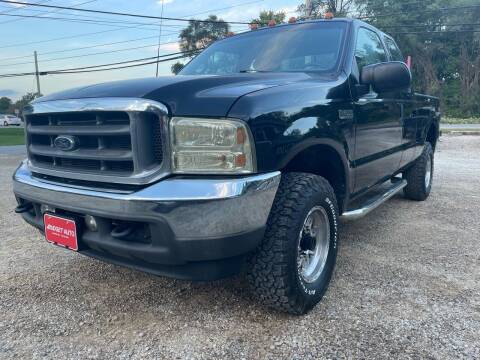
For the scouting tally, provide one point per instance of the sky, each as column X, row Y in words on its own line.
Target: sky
column 20, row 37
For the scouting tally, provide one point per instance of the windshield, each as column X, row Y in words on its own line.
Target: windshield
column 303, row 47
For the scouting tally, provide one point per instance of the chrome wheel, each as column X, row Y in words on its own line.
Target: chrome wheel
column 313, row 244
column 428, row 172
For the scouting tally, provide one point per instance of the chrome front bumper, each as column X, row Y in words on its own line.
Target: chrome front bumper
column 192, row 219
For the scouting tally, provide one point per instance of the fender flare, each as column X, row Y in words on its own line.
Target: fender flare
column 340, row 149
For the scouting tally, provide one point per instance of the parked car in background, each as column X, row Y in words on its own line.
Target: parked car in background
column 7, row 120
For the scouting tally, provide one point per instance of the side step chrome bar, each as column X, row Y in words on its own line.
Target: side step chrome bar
column 354, row 214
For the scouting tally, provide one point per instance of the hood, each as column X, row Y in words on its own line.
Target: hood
column 185, row 95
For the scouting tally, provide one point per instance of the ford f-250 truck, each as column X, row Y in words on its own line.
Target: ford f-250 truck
column 247, row 159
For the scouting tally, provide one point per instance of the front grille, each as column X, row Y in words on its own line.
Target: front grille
column 108, row 143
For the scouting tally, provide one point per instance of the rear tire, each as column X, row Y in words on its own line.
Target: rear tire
column 419, row 177
column 5, row 123
column 291, row 269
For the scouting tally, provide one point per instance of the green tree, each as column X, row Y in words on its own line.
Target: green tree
column 318, row 8
column 198, row 35
column 177, row 67
column 446, row 62
column 5, row 104
column 25, row 100
column 266, row 16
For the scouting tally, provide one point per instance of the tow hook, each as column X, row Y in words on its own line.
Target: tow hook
column 121, row 231
column 21, row 208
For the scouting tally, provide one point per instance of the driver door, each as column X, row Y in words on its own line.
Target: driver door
column 378, row 124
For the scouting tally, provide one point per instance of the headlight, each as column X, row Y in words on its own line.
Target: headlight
column 210, row 146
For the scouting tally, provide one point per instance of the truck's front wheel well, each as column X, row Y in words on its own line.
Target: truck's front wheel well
column 324, row 161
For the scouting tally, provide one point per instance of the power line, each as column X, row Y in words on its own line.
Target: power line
column 42, row 12
column 68, row 37
column 89, row 21
column 83, row 47
column 91, row 67
column 90, row 54
column 422, row 3
column 431, row 25
column 120, row 67
column 437, row 32
column 122, row 14
column 402, row 4
column 396, row 14
column 120, row 62
column 21, row 8
column 104, row 19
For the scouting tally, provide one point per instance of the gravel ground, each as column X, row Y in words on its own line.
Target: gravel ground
column 407, row 285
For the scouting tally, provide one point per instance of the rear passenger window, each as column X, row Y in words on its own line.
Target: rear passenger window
column 369, row 49
column 393, row 49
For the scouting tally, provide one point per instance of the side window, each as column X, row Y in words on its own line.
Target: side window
column 393, row 49
column 369, row 49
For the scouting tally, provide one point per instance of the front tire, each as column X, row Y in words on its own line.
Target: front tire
column 291, row 269
column 419, row 177
column 5, row 123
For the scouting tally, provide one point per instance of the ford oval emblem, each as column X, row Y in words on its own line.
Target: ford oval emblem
column 66, row 142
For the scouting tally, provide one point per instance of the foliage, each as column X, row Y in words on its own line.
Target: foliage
column 10, row 136
column 25, row 100
column 267, row 15
column 318, row 8
column 5, row 104
column 177, row 67
column 445, row 63
column 198, row 35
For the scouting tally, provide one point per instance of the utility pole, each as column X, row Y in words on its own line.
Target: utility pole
column 159, row 39
column 37, row 74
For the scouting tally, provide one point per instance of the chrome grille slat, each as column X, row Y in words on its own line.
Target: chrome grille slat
column 104, row 130
column 88, row 154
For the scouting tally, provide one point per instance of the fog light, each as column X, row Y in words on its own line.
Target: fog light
column 46, row 208
column 91, row 223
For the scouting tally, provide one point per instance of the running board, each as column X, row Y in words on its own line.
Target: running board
column 396, row 186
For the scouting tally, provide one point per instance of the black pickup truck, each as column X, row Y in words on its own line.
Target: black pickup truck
column 246, row 160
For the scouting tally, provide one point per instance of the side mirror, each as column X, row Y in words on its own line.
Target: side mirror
column 388, row 76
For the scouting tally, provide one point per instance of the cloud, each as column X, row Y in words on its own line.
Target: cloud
column 173, row 47
column 165, row 2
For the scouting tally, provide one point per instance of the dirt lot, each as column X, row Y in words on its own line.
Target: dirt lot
column 407, row 285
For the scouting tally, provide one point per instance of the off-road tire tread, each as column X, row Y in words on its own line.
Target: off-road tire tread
column 269, row 274
column 415, row 176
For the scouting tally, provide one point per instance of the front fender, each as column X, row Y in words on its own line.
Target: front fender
column 286, row 120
